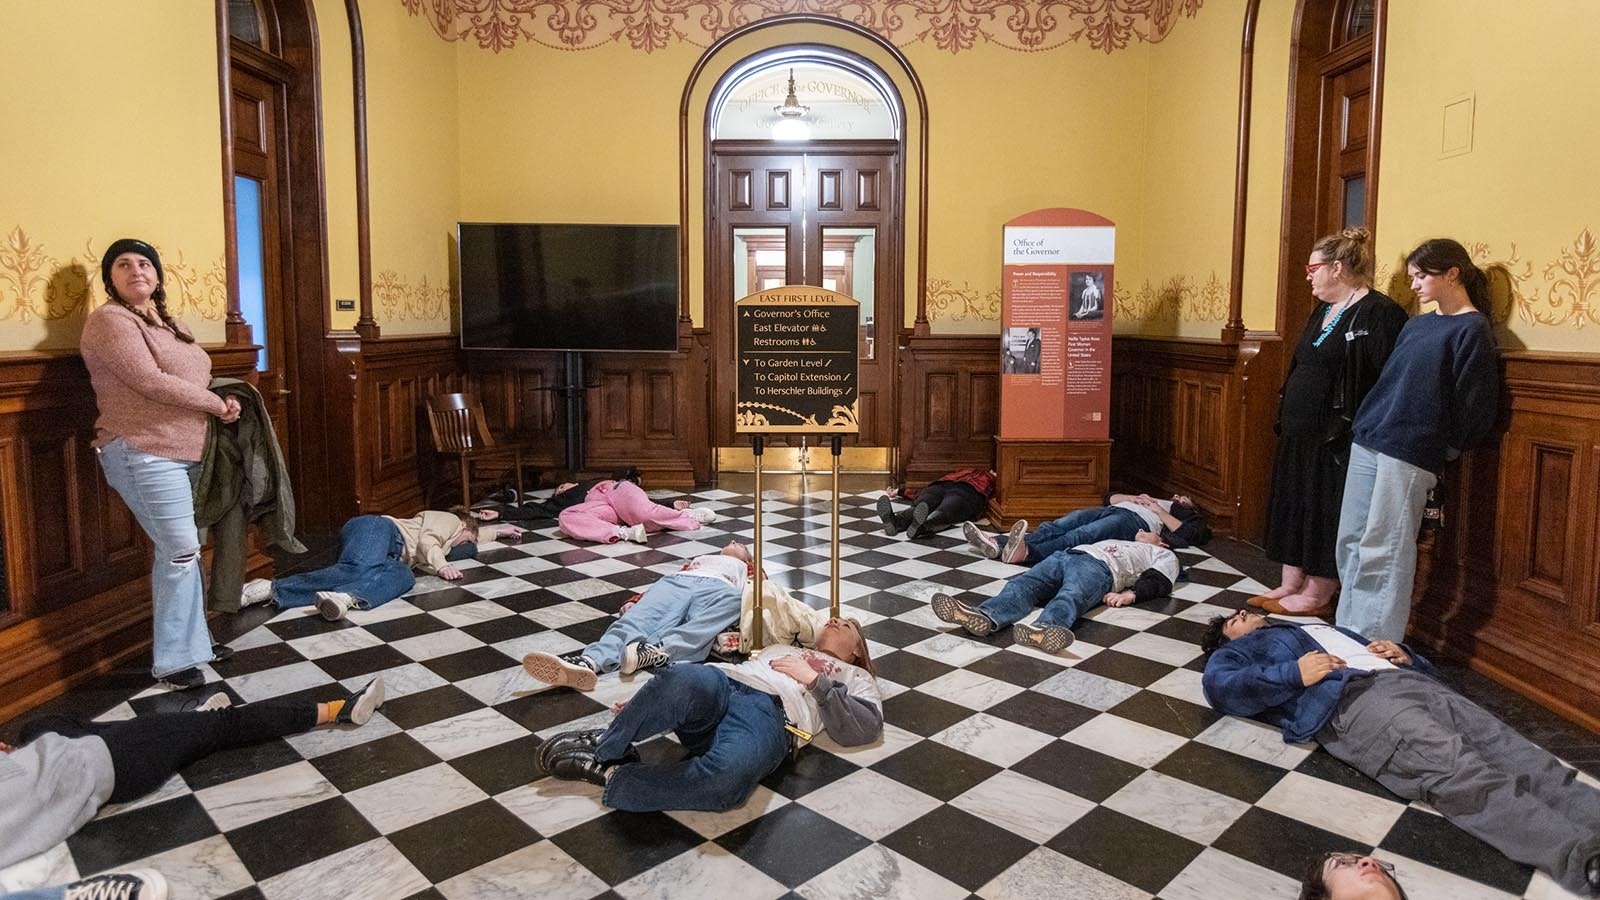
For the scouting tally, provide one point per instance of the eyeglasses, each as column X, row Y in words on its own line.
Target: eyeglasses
column 1351, row 860
column 1312, row 268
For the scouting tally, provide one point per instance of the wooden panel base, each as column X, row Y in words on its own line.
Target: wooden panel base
column 1043, row 480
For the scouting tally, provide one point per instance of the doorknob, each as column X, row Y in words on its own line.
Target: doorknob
column 283, row 392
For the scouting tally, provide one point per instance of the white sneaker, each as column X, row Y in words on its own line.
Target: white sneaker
column 635, row 533
column 256, row 590
column 134, row 884
column 702, row 515
column 219, row 700
column 334, row 604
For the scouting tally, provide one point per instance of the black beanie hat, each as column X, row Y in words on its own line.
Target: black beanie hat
column 130, row 245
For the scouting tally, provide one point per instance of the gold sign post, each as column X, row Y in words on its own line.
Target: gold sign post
column 797, row 375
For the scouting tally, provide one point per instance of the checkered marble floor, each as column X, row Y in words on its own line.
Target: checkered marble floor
column 1002, row 773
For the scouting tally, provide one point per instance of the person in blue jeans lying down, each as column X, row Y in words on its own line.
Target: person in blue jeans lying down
column 1178, row 521
column 1069, row 583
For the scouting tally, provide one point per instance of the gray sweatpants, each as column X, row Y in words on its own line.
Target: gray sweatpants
column 1423, row 741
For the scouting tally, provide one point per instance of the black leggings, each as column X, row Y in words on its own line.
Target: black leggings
column 953, row 501
column 147, row 750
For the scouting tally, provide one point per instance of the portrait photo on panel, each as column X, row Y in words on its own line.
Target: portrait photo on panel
column 1087, row 295
column 1019, row 351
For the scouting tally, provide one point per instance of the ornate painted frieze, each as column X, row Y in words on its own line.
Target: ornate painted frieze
column 1027, row 26
column 1564, row 294
column 398, row 300
column 949, row 303
column 1178, row 298
column 36, row 284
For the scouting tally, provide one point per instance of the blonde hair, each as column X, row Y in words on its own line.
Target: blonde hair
column 469, row 522
column 1352, row 248
column 863, row 654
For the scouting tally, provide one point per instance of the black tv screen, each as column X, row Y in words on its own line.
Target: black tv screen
column 568, row 287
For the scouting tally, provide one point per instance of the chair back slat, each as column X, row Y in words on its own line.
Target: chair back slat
column 456, row 422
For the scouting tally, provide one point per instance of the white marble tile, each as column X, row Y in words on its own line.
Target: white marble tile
column 600, row 568
column 202, row 870
column 436, row 644
column 259, row 636
column 993, row 739
column 374, row 870
column 498, row 587
column 1212, row 564
column 878, row 873
column 1215, row 875
column 234, row 804
column 331, row 643
column 1541, row 887
column 848, row 591
column 53, row 866
column 551, row 806
column 870, row 804
column 470, row 731
column 1249, row 586
column 388, row 612
column 1421, row 880
column 540, row 870
column 1195, row 593
column 1177, row 806
column 1074, row 654
column 525, row 565
column 915, row 568
column 545, row 548
column 1160, row 649
column 598, row 719
column 1019, row 804
column 951, row 650
column 411, row 678
column 564, row 614
column 691, row 549
column 1333, row 807
column 494, row 688
column 119, row 713
column 969, row 689
column 418, row 796
column 892, row 741
column 475, row 612
column 713, row 824
column 172, row 787
column 545, row 641
column 1086, row 689
column 707, row 872
column 1183, row 684
column 1126, row 617
column 919, row 590
column 1045, row 875
column 277, row 682
column 321, row 741
column 1125, row 739
column 1255, row 740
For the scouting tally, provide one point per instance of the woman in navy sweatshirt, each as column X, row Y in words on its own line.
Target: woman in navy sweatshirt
column 1438, row 395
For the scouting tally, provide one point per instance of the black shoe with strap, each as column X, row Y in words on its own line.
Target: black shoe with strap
column 577, row 764
column 588, row 739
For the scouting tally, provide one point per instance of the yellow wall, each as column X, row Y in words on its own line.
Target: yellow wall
column 111, row 131
column 1269, row 109
column 413, row 170
column 339, row 159
column 1525, row 195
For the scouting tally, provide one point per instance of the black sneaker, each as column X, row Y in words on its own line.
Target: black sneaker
column 919, row 519
column 891, row 522
column 573, row 670
column 577, row 764
column 1049, row 638
column 588, row 739
column 359, row 707
column 221, row 653
column 134, row 884
column 639, row 655
column 183, row 679
column 951, row 610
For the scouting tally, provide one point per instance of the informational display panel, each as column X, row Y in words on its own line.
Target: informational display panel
column 1055, row 326
column 797, row 361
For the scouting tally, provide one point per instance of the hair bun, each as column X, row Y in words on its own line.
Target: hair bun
column 1356, row 234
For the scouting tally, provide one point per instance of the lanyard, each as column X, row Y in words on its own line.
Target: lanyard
column 1328, row 328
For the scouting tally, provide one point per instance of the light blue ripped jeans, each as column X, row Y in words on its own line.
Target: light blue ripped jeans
column 160, row 492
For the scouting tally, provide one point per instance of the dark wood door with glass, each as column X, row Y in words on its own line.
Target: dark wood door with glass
column 823, row 215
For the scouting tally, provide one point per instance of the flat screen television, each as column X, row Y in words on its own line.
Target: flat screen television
column 568, row 287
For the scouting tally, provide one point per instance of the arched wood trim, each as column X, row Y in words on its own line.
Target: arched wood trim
column 235, row 329
column 1233, row 330
column 366, row 325
column 921, row 323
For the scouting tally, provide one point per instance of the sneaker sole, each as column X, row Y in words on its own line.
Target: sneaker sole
column 886, row 516
column 332, row 610
column 630, row 661
column 951, row 610
column 1016, row 549
column 1050, row 639
column 367, row 703
column 552, row 670
column 976, row 541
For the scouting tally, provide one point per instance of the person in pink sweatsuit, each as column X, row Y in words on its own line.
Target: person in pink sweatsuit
column 619, row 511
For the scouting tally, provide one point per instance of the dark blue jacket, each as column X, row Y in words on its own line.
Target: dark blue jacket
column 1258, row 675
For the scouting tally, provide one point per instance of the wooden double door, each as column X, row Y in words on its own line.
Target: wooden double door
column 828, row 214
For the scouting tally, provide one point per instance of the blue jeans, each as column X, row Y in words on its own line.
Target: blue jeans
column 733, row 733
column 1085, row 526
column 370, row 568
column 1377, row 548
column 57, row 892
column 160, row 493
column 682, row 613
column 1068, row 584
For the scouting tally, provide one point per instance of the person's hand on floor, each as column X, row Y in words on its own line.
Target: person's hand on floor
column 450, row 573
column 1119, row 598
column 510, row 531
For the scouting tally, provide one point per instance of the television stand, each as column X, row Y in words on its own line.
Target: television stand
column 572, row 395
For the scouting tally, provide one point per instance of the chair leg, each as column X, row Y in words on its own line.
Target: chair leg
column 466, row 481
column 517, row 453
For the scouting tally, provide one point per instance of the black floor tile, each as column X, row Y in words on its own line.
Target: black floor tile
column 226, row 765
column 960, row 846
column 1042, row 712
column 422, row 707
column 813, row 768
column 292, row 839
column 1078, row 770
column 391, row 630
column 1140, row 854
column 1125, row 668
column 470, row 663
column 1169, row 714
column 504, row 628
column 770, row 843
column 455, row 842
column 936, row 770
column 112, row 842
column 374, row 761
column 1281, row 843
column 362, row 662
column 257, row 659
column 924, row 714
column 1429, row 838
column 548, row 708
column 910, row 669
column 1239, row 777
column 502, row 767
column 619, row 845
column 1015, row 668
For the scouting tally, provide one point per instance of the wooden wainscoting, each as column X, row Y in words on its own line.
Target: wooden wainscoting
column 77, row 566
column 1511, row 584
column 1194, row 416
column 949, row 404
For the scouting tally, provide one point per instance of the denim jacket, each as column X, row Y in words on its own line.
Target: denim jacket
column 1258, row 675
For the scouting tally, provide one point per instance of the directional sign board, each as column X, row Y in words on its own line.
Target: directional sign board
column 797, row 362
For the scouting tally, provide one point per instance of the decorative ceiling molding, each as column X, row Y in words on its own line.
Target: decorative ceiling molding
column 1028, row 26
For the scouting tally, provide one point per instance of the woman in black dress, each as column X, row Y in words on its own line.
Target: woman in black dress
column 1342, row 350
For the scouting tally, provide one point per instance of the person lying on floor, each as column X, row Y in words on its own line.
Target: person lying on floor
column 566, row 494
column 960, row 496
column 677, row 619
column 376, row 556
column 1350, row 876
column 1069, row 583
column 621, row 511
column 64, row 769
column 1376, row 706
column 734, row 721
column 1178, row 521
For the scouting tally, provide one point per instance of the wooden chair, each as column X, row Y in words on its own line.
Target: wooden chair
column 460, row 430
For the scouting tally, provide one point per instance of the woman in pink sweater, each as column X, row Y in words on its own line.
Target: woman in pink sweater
column 150, row 380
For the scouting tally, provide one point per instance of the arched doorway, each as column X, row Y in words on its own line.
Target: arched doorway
column 824, row 206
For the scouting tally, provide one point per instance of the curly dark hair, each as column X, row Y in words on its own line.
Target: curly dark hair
column 1313, row 887
column 1214, row 636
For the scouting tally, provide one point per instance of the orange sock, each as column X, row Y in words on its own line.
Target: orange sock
column 334, row 706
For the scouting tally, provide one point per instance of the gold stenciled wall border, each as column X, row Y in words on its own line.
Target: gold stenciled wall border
column 34, row 284
column 398, row 300
column 1566, row 294
column 954, row 25
column 948, row 303
column 1174, row 299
